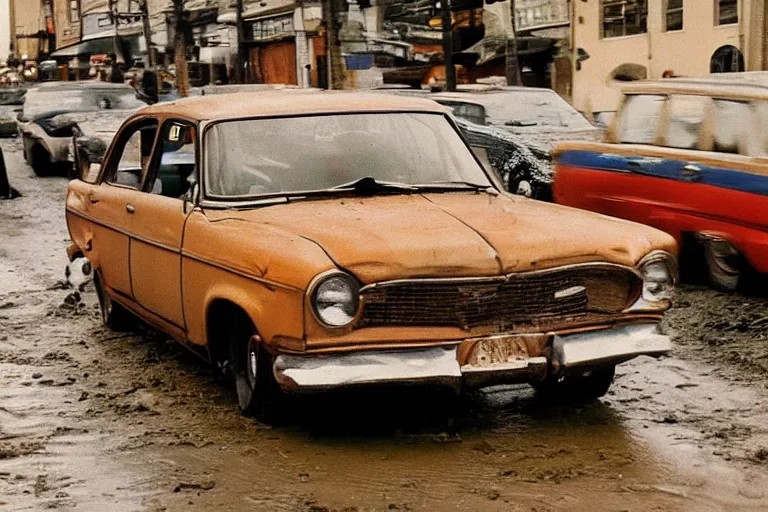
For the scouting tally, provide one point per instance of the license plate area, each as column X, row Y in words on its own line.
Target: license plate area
column 501, row 350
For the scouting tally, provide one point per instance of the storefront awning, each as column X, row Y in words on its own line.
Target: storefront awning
column 95, row 47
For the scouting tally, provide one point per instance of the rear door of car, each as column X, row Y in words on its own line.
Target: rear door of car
column 100, row 205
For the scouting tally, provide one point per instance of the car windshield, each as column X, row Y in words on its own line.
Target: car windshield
column 534, row 109
column 43, row 102
column 313, row 153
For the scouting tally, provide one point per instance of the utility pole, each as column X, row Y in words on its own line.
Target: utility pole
column 513, row 62
column 151, row 59
column 765, row 35
column 447, row 23
column 241, row 72
column 180, row 49
column 332, row 44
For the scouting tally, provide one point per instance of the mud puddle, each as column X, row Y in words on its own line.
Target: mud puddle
column 92, row 419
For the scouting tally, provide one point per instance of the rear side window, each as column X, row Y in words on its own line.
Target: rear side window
column 731, row 126
column 685, row 116
column 761, row 111
column 640, row 118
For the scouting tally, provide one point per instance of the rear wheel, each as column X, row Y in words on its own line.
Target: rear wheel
column 113, row 315
column 585, row 387
column 258, row 393
column 724, row 264
column 40, row 160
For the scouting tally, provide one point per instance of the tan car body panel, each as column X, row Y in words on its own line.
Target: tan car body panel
column 456, row 234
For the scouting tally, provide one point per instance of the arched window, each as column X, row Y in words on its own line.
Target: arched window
column 726, row 59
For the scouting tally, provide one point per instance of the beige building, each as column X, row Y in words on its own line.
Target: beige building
column 31, row 27
column 618, row 40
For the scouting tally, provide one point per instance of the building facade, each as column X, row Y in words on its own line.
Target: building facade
column 619, row 40
column 32, row 29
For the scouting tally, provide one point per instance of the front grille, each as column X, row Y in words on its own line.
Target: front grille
column 501, row 304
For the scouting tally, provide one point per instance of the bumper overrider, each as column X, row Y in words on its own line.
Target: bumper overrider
column 564, row 355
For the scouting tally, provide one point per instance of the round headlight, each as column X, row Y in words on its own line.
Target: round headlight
column 658, row 279
column 336, row 300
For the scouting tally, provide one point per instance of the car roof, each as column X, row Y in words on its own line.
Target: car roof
column 723, row 88
column 287, row 103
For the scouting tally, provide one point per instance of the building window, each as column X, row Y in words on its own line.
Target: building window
column 624, row 17
column 726, row 12
column 74, row 11
column 673, row 12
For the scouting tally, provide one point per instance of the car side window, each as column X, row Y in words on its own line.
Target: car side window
column 131, row 154
column 731, row 126
column 761, row 121
column 684, row 120
column 175, row 170
column 640, row 116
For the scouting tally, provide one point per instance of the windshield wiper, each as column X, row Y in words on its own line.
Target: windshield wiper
column 369, row 186
column 460, row 185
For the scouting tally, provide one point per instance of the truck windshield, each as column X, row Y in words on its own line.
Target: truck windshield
column 254, row 157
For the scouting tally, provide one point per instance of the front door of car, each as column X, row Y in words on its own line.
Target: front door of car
column 159, row 216
column 100, row 208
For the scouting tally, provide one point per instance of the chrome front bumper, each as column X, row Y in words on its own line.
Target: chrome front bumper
column 570, row 354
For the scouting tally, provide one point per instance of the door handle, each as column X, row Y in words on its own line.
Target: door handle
column 691, row 169
column 129, row 208
column 633, row 163
column 93, row 198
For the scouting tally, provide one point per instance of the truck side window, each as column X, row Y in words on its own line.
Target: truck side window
column 640, row 116
column 731, row 126
column 685, row 116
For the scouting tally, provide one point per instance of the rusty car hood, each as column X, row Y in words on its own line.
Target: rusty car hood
column 455, row 234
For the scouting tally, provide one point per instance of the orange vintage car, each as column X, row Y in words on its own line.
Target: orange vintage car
column 310, row 241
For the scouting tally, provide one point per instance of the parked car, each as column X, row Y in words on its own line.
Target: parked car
column 302, row 242
column 524, row 168
column 689, row 157
column 53, row 110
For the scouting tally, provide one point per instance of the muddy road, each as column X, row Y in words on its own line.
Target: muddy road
column 94, row 420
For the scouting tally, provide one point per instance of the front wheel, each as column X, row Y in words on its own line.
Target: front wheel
column 585, row 387
column 258, row 393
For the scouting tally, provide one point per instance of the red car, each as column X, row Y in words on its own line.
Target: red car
column 689, row 157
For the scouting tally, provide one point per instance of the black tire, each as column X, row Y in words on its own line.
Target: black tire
column 577, row 388
column 258, row 393
column 724, row 265
column 113, row 315
column 40, row 160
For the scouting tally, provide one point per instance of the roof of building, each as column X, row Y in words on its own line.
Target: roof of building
column 288, row 102
column 735, row 89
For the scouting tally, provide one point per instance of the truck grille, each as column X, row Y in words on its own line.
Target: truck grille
column 499, row 304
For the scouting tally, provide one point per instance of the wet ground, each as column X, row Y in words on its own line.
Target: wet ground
column 94, row 420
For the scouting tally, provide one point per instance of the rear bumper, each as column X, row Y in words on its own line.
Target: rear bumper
column 574, row 353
